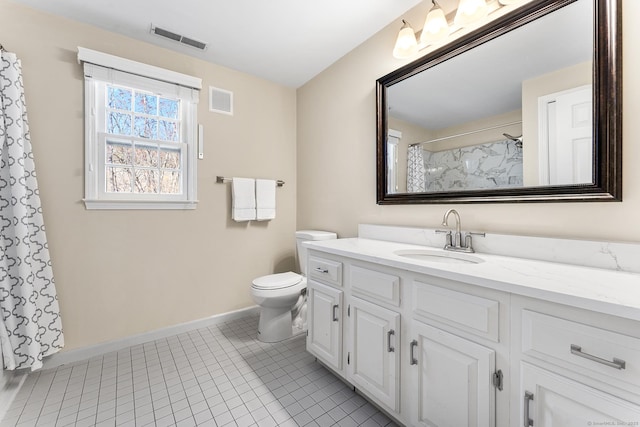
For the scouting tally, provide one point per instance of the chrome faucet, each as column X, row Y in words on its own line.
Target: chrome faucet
column 455, row 243
column 458, row 236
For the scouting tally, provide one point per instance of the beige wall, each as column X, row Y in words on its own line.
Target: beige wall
column 336, row 156
column 120, row 273
column 411, row 133
column 564, row 79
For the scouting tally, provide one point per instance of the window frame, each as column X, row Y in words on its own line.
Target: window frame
column 101, row 70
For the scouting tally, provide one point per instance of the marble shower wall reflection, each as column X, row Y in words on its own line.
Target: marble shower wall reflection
column 491, row 165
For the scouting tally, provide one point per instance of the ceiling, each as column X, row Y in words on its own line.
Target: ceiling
column 284, row 41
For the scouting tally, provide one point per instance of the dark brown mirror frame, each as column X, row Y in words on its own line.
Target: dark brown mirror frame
column 607, row 112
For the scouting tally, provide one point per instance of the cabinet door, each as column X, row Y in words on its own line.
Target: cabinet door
column 374, row 351
column 550, row 400
column 452, row 380
column 324, row 322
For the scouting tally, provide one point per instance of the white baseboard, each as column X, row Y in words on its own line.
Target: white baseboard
column 79, row 354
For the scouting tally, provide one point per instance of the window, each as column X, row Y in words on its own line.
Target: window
column 140, row 135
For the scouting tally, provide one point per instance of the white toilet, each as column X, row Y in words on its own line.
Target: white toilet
column 277, row 294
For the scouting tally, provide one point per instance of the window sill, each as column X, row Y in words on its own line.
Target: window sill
column 139, row 204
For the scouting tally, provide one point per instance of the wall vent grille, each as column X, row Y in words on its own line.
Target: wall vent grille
column 220, row 101
column 178, row 38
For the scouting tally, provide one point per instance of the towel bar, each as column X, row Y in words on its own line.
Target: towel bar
column 222, row 179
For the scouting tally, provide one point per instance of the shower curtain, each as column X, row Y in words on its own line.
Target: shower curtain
column 30, row 319
column 415, row 170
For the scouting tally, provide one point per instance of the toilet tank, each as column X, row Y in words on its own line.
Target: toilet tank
column 307, row 236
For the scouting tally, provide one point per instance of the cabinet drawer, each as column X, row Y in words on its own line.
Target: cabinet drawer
column 470, row 313
column 325, row 270
column 375, row 285
column 598, row 352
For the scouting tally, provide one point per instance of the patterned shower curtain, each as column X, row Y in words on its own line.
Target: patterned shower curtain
column 415, row 170
column 31, row 327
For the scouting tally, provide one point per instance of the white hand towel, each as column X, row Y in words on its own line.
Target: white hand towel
column 243, row 198
column 265, row 199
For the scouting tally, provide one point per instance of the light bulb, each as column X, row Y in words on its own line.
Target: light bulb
column 470, row 11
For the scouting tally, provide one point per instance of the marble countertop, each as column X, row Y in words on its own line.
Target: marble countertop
column 605, row 291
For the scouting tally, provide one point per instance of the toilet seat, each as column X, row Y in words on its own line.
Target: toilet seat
column 277, row 281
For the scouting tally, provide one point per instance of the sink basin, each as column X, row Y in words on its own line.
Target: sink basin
column 439, row 256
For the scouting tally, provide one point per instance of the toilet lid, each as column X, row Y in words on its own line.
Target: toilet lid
column 277, row 281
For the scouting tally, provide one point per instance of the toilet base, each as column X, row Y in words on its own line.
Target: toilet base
column 274, row 325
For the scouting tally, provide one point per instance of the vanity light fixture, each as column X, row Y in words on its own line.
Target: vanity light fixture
column 406, row 43
column 437, row 28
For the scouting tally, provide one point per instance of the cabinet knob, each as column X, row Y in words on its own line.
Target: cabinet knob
column 389, row 334
column 335, row 313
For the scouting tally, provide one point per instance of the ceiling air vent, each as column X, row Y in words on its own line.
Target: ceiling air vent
column 178, row 38
column 195, row 43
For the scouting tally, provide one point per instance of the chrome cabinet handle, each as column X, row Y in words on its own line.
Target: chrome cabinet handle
column 617, row 363
column 335, row 313
column 412, row 357
column 389, row 334
column 322, row 270
column 528, row 397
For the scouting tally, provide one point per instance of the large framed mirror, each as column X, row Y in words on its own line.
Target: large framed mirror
column 525, row 109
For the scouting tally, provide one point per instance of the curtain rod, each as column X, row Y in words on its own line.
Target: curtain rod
column 466, row 133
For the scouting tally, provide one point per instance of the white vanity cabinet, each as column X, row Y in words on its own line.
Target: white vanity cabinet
column 455, row 340
column 439, row 348
column 552, row 400
column 325, row 302
column 373, row 360
column 575, row 367
column 354, row 325
column 374, row 332
column 418, row 347
column 324, row 314
column 452, row 381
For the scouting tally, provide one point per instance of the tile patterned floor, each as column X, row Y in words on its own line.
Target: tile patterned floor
column 215, row 376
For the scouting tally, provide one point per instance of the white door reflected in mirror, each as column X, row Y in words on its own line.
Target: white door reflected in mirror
column 393, row 138
column 566, row 152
